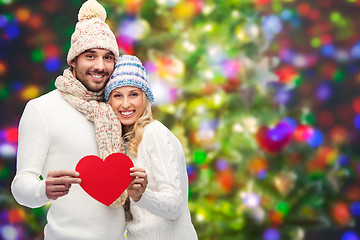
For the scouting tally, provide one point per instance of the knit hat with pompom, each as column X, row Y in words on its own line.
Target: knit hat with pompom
column 92, row 32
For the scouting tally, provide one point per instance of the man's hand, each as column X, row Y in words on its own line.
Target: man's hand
column 58, row 183
column 138, row 184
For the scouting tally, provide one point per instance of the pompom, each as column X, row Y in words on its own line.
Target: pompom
column 91, row 9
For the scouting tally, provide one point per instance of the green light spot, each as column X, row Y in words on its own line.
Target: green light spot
column 283, row 208
column 4, row 173
column 339, row 76
column 4, row 93
column 277, row 7
column 315, row 42
column 335, row 17
column 199, row 156
column 5, row 2
column 308, row 118
column 37, row 55
column 298, row 81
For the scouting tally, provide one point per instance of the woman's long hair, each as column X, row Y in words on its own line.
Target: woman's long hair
column 134, row 136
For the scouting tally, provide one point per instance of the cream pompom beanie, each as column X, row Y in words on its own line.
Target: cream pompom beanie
column 92, row 32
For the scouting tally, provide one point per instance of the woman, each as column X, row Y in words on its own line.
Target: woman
column 161, row 212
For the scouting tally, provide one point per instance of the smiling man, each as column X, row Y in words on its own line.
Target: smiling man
column 54, row 136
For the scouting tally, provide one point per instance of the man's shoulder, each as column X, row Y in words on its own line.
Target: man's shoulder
column 47, row 98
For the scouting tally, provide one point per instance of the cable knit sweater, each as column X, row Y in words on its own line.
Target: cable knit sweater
column 52, row 136
column 162, row 212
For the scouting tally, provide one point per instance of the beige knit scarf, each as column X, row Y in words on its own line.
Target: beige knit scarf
column 107, row 125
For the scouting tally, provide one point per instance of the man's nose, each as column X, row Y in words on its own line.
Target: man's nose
column 99, row 64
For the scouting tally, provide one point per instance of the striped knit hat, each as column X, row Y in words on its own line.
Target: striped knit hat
column 92, row 32
column 129, row 71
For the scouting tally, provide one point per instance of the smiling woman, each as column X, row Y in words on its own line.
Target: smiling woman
column 128, row 104
column 162, row 211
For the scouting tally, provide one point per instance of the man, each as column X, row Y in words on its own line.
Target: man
column 54, row 136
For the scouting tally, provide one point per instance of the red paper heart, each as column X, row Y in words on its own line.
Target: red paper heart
column 105, row 180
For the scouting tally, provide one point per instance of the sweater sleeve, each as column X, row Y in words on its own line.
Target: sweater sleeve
column 26, row 187
column 164, row 153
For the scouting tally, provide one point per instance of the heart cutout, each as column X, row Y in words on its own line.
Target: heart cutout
column 105, row 180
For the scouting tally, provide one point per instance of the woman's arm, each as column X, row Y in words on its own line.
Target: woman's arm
column 164, row 154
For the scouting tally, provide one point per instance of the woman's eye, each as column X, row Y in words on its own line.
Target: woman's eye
column 134, row 94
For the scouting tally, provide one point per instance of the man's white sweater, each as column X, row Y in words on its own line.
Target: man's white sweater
column 54, row 136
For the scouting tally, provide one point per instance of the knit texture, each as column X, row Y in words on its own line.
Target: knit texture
column 54, row 136
column 92, row 32
column 162, row 213
column 129, row 71
column 107, row 124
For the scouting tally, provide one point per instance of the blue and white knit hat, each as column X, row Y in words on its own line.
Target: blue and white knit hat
column 129, row 71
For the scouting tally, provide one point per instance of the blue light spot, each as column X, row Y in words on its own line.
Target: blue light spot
column 286, row 14
column 316, row 139
column 12, row 31
column 3, row 21
column 328, row 50
column 349, row 235
column 271, row 234
column 52, row 64
column 343, row 160
column 357, row 122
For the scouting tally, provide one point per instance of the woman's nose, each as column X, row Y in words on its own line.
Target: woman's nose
column 125, row 103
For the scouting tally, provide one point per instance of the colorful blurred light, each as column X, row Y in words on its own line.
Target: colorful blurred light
column 22, row 14
column 12, row 31
column 357, row 121
column 303, row 133
column 324, row 91
column 283, row 96
column 222, row 164
column 343, row 160
column 271, row 234
column 7, row 151
column 251, row 200
column 350, row 235
column 355, row 209
column 9, row 232
column 316, row 139
column 341, row 214
column 3, row 21
column 271, row 25
column 30, row 92
column 52, row 64
column 3, row 67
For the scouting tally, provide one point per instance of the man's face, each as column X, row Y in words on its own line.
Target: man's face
column 93, row 68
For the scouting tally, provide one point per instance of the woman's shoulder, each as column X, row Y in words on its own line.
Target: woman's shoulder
column 155, row 125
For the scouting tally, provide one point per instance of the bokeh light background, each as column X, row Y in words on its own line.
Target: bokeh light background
column 263, row 95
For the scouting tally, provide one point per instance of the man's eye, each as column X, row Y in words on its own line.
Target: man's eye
column 109, row 57
column 90, row 56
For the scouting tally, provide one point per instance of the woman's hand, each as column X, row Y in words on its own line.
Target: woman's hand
column 138, row 184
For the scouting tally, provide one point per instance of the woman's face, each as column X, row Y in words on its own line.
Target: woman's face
column 127, row 103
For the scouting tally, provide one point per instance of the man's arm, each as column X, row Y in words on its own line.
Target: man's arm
column 27, row 187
